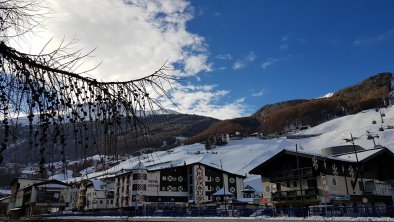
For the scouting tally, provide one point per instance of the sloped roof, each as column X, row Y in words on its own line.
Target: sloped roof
column 139, row 166
column 362, row 155
column 98, row 184
column 51, row 184
column 222, row 192
column 248, row 189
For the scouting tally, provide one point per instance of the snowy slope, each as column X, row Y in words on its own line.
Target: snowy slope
column 241, row 156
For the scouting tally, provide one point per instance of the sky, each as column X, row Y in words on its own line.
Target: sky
column 234, row 56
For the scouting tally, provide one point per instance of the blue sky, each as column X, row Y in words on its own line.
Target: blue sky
column 234, row 55
column 309, row 48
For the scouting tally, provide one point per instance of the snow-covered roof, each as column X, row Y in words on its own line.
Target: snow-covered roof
column 87, row 170
column 98, row 184
column 361, row 155
column 222, row 192
column 139, row 166
column 240, row 156
column 62, row 176
column 52, row 185
column 5, row 192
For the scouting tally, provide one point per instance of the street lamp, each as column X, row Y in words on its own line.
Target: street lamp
column 224, row 186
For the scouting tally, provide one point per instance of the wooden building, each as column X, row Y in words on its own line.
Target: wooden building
column 292, row 179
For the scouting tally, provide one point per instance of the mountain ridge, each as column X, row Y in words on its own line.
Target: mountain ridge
column 287, row 116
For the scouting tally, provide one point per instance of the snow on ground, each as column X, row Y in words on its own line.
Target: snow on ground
column 62, row 176
column 240, row 156
column 87, row 170
column 262, row 218
column 5, row 192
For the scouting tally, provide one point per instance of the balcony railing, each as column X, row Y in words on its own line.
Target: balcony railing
column 308, row 194
column 293, row 173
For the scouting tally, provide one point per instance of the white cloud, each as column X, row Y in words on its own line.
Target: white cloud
column 225, row 56
column 133, row 39
column 217, row 14
column 239, row 64
column 244, row 62
column 268, row 62
column 366, row 41
column 283, row 46
column 205, row 100
column 258, row 94
column 286, row 37
column 251, row 57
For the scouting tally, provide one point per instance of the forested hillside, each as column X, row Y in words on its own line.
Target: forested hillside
column 290, row 115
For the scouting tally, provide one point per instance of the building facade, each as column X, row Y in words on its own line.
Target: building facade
column 292, row 179
column 173, row 186
column 99, row 195
column 38, row 198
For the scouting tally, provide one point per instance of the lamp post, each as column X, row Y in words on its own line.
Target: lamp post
column 224, row 186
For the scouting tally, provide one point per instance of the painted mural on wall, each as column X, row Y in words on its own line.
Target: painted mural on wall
column 200, row 180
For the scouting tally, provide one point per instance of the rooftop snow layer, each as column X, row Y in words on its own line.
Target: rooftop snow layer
column 240, row 156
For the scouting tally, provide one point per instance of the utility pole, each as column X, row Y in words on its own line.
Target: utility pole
column 351, row 140
column 300, row 181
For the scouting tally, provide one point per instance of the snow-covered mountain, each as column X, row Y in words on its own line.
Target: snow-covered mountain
column 240, row 156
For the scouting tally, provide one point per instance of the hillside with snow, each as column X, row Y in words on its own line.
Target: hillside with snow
column 240, row 156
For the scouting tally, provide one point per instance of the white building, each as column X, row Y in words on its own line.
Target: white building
column 99, row 195
column 165, row 185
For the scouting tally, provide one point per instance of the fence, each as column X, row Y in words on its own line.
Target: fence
column 324, row 211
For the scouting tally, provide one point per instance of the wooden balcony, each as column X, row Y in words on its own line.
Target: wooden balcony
column 293, row 173
column 293, row 195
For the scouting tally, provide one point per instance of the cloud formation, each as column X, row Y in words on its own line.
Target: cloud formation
column 382, row 37
column 258, row 94
column 269, row 62
column 201, row 101
column 225, row 56
column 134, row 38
column 244, row 62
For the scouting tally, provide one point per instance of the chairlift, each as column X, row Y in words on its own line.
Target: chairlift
column 374, row 122
column 381, row 129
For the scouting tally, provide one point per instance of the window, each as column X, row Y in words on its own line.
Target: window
column 163, row 178
column 294, row 183
column 135, row 176
column 360, row 185
column 287, row 183
column 101, row 201
column 163, row 188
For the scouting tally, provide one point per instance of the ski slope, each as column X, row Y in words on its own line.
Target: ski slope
column 240, row 156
